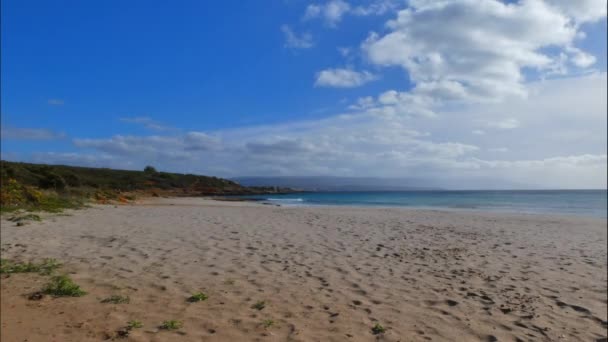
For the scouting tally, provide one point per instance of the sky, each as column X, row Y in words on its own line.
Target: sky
column 502, row 94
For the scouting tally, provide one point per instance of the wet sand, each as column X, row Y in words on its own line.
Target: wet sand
column 324, row 273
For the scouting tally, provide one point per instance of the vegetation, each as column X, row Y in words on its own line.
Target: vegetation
column 259, row 305
column 47, row 266
column 117, row 299
column 171, row 325
column 57, row 187
column 378, row 329
column 198, row 297
column 267, row 323
column 134, row 324
column 63, row 286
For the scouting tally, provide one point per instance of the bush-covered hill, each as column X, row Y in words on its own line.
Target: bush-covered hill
column 32, row 185
column 59, row 177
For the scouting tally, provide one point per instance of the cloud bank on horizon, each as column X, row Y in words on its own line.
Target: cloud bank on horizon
column 508, row 92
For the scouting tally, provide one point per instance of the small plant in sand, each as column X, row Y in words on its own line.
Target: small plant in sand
column 117, row 299
column 171, row 325
column 47, row 266
column 378, row 329
column 197, row 297
column 63, row 286
column 229, row 282
column 259, row 305
column 267, row 323
column 134, row 324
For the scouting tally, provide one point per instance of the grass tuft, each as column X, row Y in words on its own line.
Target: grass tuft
column 198, row 297
column 171, row 325
column 47, row 266
column 134, row 324
column 259, row 305
column 267, row 323
column 117, row 299
column 63, row 286
column 378, row 329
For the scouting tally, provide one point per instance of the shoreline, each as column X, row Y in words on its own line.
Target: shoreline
column 403, row 207
column 324, row 273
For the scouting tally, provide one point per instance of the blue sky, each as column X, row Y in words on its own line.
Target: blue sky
column 85, row 82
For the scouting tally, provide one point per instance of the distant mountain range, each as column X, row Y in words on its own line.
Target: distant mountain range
column 323, row 183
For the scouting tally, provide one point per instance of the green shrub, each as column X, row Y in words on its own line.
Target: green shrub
column 378, row 329
column 134, row 324
column 52, row 180
column 171, row 325
column 47, row 266
column 150, row 169
column 198, row 297
column 63, row 286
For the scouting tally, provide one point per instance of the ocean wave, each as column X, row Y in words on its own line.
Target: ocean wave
column 286, row 199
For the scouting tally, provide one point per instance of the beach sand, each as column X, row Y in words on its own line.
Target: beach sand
column 325, row 274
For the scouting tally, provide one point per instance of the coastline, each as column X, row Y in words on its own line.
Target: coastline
column 326, row 273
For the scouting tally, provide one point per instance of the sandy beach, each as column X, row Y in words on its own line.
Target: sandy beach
column 323, row 273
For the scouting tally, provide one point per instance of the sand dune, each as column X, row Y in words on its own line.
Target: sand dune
column 325, row 274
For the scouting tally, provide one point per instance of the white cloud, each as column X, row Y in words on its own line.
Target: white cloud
column 581, row 10
column 332, row 11
column 560, row 143
column 580, row 58
column 476, row 50
column 379, row 7
column 293, row 41
column 343, row 78
column 478, row 132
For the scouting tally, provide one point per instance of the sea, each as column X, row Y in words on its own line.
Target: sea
column 590, row 203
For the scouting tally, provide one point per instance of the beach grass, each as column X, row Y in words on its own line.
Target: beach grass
column 134, row 324
column 63, row 286
column 267, row 323
column 378, row 329
column 171, row 325
column 46, row 267
column 198, row 297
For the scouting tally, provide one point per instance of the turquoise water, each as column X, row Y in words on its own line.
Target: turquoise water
column 567, row 202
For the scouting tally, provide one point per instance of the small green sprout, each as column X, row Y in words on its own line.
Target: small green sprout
column 198, row 297
column 171, row 325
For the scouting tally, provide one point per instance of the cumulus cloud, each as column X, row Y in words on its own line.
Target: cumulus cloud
column 343, row 78
column 582, row 10
column 295, row 41
column 21, row 133
column 477, row 51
